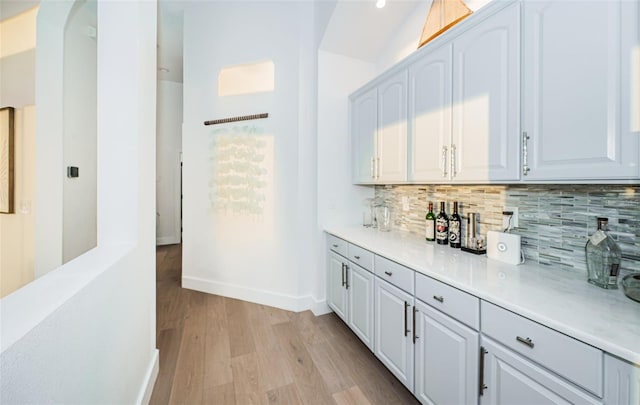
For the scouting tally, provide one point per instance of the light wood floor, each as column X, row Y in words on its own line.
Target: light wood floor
column 216, row 350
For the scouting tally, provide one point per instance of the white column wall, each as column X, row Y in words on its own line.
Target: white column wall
column 85, row 332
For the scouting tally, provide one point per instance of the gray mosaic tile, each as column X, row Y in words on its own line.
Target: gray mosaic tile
column 555, row 220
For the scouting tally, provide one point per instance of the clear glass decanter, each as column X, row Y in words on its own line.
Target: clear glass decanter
column 603, row 257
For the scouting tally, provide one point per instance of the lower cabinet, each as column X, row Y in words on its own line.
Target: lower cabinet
column 394, row 330
column 622, row 382
column 350, row 295
column 337, row 292
column 446, row 359
column 360, row 307
column 509, row 378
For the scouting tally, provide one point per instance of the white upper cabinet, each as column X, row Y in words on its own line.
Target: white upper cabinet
column 364, row 120
column 430, row 116
column 391, row 164
column 486, row 100
column 578, row 96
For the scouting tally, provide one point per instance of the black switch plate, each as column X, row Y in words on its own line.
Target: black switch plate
column 72, row 172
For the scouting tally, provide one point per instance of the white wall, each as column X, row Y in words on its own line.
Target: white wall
column 339, row 202
column 85, row 332
column 17, row 230
column 79, row 140
column 260, row 258
column 169, row 147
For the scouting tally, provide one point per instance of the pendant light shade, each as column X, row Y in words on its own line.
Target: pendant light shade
column 443, row 15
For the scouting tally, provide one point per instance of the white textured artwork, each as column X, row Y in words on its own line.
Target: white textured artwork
column 240, row 163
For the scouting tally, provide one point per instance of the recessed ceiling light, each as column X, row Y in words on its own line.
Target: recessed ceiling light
column 381, row 3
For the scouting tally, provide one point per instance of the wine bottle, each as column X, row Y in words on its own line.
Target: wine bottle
column 454, row 228
column 442, row 226
column 430, row 224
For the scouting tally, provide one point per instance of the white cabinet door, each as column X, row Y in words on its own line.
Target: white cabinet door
column 486, row 100
column 446, row 362
column 430, row 116
column 392, row 129
column 360, row 307
column 393, row 337
column 622, row 382
column 577, row 89
column 364, row 121
column 512, row 379
column 336, row 291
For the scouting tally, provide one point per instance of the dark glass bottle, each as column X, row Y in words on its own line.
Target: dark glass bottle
column 442, row 226
column 454, row 227
column 430, row 224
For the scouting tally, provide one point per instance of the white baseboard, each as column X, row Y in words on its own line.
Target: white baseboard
column 167, row 240
column 264, row 297
column 144, row 396
column 320, row 308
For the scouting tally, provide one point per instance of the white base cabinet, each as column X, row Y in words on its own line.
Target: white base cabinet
column 336, row 291
column 622, row 382
column 360, row 308
column 393, row 325
column 512, row 379
column 446, row 359
column 350, row 292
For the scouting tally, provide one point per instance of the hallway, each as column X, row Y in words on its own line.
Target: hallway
column 216, row 350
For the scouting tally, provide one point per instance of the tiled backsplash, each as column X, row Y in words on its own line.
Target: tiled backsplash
column 554, row 220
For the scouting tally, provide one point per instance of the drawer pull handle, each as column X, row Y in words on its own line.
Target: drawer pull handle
column 388, row 273
column 440, row 298
column 525, row 341
column 357, row 257
column 334, row 245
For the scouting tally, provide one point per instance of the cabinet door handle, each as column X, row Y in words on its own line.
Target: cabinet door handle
column 357, row 257
column 343, row 274
column 334, row 245
column 346, row 276
column 388, row 273
column 444, row 161
column 525, row 341
column 415, row 311
column 378, row 168
column 406, row 324
column 482, row 386
column 453, row 160
column 439, row 298
column 373, row 172
column 525, row 154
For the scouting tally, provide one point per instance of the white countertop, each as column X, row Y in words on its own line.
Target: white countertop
column 558, row 298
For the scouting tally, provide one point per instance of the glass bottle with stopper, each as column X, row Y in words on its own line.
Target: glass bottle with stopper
column 603, row 257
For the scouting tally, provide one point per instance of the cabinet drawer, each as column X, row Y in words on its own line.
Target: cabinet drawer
column 361, row 257
column 453, row 302
column 396, row 274
column 576, row 361
column 337, row 245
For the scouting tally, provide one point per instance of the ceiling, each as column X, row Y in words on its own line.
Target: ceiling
column 357, row 28
column 361, row 30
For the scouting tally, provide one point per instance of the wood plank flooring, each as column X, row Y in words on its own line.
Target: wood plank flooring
column 217, row 350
